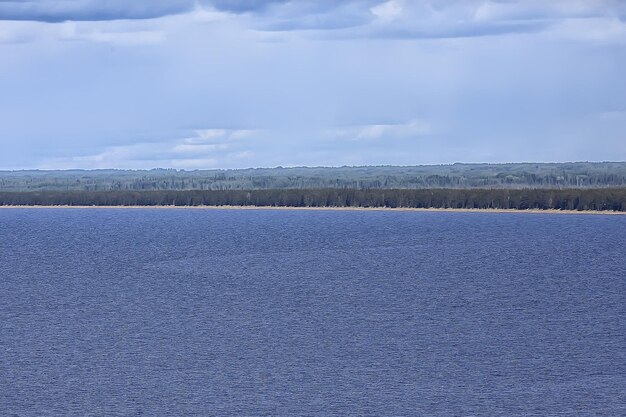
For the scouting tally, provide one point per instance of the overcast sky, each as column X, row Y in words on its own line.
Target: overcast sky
column 244, row 83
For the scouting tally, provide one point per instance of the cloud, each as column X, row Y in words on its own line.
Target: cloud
column 78, row 31
column 400, row 19
column 444, row 19
column 218, row 136
column 388, row 10
column 52, row 11
column 411, row 129
column 208, row 140
column 393, row 89
column 554, row 9
column 245, row 6
column 600, row 30
column 206, row 148
column 115, row 33
column 310, row 15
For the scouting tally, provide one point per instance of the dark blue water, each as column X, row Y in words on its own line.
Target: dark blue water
column 111, row 312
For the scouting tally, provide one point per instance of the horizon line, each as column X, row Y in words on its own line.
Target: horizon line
column 2, row 170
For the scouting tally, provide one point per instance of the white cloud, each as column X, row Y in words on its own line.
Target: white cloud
column 208, row 148
column 207, row 15
column 119, row 33
column 190, row 148
column 553, row 9
column 217, row 136
column 389, row 10
column 595, row 30
column 206, row 135
column 413, row 128
column 192, row 163
column 138, row 37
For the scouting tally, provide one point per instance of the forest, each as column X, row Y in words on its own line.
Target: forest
column 455, row 176
column 597, row 186
column 596, row 199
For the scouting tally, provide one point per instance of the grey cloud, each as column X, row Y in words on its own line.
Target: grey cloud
column 460, row 31
column 300, row 13
column 430, row 19
column 294, row 7
column 90, row 10
column 243, row 6
column 53, row 11
column 418, row 19
column 282, row 15
column 317, row 21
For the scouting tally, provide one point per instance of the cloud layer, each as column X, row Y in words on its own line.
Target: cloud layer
column 90, row 10
column 193, row 84
column 400, row 19
column 421, row 16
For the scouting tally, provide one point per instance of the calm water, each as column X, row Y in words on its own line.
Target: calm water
column 311, row 313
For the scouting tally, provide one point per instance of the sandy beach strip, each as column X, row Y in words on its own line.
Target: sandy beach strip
column 389, row 209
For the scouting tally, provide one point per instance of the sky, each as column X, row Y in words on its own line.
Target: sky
column 210, row 84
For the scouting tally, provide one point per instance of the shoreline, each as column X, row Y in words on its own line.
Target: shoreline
column 391, row 209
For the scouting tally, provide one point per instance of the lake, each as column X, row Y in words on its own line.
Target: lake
column 162, row 312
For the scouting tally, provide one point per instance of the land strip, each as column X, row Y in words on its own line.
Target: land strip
column 384, row 209
column 576, row 199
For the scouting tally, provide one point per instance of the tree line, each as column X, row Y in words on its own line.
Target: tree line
column 522, row 175
column 597, row 199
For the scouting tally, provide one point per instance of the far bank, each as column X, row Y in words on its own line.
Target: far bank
column 557, row 200
column 286, row 208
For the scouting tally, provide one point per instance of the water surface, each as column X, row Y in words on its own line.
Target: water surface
column 311, row 313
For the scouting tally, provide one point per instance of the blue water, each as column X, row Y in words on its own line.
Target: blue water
column 109, row 312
